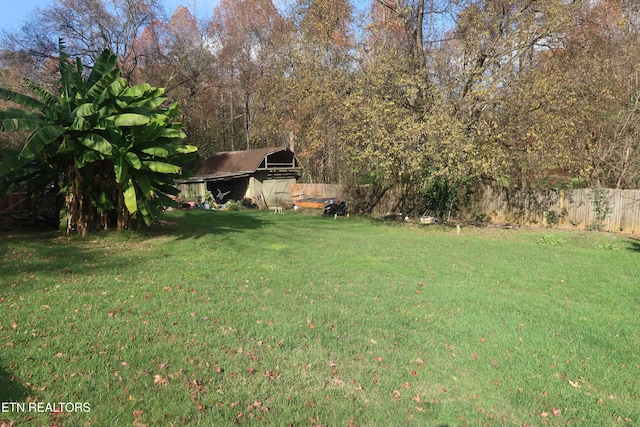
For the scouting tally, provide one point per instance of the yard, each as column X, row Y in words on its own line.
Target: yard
column 251, row 318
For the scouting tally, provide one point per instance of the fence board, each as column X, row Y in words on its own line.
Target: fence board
column 321, row 191
column 575, row 208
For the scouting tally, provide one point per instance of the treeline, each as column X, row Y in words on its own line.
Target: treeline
column 518, row 92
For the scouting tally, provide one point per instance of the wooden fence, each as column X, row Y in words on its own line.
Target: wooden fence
column 15, row 202
column 321, row 191
column 586, row 208
column 371, row 199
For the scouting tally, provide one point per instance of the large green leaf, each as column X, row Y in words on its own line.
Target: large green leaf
column 103, row 203
column 143, row 135
column 185, row 149
column 171, row 133
column 167, row 150
column 97, row 92
column 136, row 91
column 129, row 194
column 48, row 98
column 89, row 157
column 38, row 140
column 145, row 185
column 167, row 189
column 129, row 119
column 78, row 80
column 112, row 90
column 121, row 169
column 148, row 104
column 11, row 165
column 104, row 65
column 161, row 167
column 157, row 151
column 133, row 160
column 172, row 111
column 85, row 110
column 97, row 143
column 24, row 100
column 16, row 113
column 16, row 124
column 80, row 123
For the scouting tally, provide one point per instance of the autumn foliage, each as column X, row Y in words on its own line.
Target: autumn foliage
column 385, row 91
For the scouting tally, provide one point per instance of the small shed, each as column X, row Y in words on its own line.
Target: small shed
column 263, row 175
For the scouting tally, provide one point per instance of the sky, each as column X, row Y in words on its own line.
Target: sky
column 15, row 12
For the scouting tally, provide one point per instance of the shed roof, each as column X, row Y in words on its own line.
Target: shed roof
column 229, row 164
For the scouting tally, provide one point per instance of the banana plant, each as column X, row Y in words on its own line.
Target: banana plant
column 114, row 149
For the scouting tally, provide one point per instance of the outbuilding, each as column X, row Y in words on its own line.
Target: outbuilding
column 262, row 175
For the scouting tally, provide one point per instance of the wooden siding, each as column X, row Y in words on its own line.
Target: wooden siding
column 191, row 191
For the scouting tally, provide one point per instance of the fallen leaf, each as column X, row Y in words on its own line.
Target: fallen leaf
column 159, row 379
column 419, row 361
column 270, row 374
column 574, row 384
column 556, row 412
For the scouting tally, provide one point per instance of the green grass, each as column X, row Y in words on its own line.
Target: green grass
column 251, row 318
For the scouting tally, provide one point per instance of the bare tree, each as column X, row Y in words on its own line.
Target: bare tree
column 87, row 27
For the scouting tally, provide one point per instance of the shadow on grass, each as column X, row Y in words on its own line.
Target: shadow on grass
column 27, row 252
column 10, row 388
column 635, row 245
column 195, row 224
column 59, row 258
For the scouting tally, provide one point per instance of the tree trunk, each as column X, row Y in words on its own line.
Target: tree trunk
column 74, row 203
column 123, row 219
column 247, row 120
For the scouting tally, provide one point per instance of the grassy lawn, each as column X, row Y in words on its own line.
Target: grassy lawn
column 251, row 318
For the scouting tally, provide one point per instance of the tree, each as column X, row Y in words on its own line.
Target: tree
column 391, row 104
column 598, row 68
column 88, row 27
column 180, row 56
column 244, row 30
column 111, row 148
column 316, row 81
column 487, row 69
